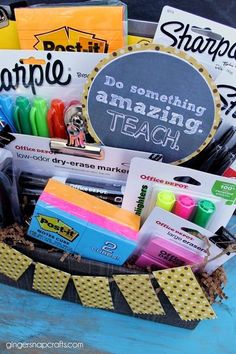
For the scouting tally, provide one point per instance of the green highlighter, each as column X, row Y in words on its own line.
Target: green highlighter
column 205, row 209
column 38, row 118
column 165, row 200
column 21, row 115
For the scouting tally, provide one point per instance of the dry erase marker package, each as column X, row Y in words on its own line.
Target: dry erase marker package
column 97, row 27
column 211, row 43
column 79, row 223
column 34, row 154
column 166, row 241
column 204, row 199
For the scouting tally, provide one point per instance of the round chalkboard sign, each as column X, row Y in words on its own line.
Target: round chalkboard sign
column 152, row 98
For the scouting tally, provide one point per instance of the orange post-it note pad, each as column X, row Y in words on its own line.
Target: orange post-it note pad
column 98, row 29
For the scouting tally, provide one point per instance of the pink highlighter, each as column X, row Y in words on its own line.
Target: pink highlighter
column 184, row 206
column 166, row 254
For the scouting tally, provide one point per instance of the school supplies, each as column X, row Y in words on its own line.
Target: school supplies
column 199, row 212
column 165, row 200
column 55, row 119
column 90, row 27
column 163, row 254
column 204, row 210
column 82, row 224
column 204, row 199
column 217, row 156
column 31, row 186
column 211, row 43
column 6, row 107
column 165, row 241
column 22, row 115
column 184, row 206
column 38, row 118
column 49, row 75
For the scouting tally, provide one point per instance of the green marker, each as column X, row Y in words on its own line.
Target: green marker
column 205, row 209
column 165, row 200
column 21, row 115
column 38, row 118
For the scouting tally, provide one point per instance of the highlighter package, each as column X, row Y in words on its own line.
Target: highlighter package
column 204, row 199
column 166, row 241
column 79, row 223
column 97, row 27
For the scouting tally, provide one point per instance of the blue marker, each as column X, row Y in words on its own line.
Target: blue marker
column 6, row 107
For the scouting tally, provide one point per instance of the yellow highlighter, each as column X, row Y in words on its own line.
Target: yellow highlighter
column 165, row 200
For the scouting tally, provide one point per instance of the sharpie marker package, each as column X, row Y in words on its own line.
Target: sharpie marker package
column 31, row 73
column 211, row 43
column 165, row 241
column 93, row 26
column 220, row 153
column 36, row 87
column 227, row 88
column 204, row 199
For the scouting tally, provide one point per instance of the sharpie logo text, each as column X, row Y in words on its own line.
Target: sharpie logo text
column 33, row 75
column 184, row 39
column 228, row 99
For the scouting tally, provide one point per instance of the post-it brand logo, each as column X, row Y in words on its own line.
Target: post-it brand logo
column 70, row 40
column 51, row 224
column 31, row 75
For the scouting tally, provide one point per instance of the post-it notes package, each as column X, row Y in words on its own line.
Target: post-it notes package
column 90, row 27
column 79, row 223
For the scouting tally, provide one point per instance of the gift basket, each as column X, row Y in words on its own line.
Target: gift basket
column 117, row 158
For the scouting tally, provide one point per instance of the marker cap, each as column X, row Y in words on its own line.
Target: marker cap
column 6, row 106
column 38, row 118
column 165, row 200
column 21, row 115
column 184, row 206
column 205, row 209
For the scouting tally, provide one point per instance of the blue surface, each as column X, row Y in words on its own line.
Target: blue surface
column 26, row 316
